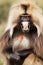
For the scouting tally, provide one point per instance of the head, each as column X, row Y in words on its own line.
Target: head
column 27, row 15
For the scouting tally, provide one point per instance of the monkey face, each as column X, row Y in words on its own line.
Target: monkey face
column 25, row 24
column 28, row 12
column 25, row 20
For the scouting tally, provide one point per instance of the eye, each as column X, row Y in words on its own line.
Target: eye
column 25, row 17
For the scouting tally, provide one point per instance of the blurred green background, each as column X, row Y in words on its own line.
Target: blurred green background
column 4, row 11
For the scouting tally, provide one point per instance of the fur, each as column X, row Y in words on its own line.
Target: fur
column 11, row 40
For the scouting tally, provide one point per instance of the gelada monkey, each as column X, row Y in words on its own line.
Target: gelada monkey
column 23, row 32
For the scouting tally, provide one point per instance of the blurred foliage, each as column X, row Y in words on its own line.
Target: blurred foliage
column 4, row 11
column 40, row 3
